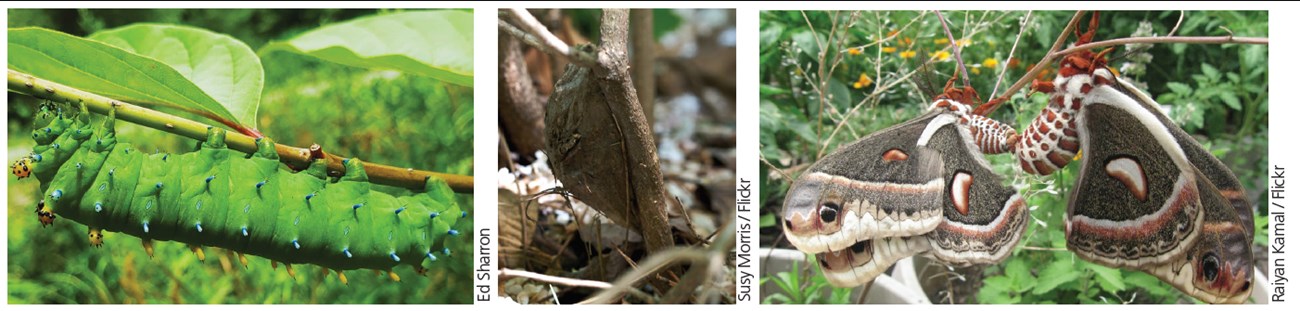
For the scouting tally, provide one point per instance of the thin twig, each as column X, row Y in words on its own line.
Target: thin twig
column 1174, row 30
column 571, row 282
column 1192, row 40
column 956, row 49
column 543, row 39
column 1006, row 64
column 1033, row 71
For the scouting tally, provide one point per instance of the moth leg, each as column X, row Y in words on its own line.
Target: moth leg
column 148, row 246
column 96, row 237
column 289, row 267
column 242, row 260
column 342, row 278
column 420, row 270
column 274, row 265
column 198, row 251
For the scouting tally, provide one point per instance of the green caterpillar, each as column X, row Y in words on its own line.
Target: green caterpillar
column 245, row 203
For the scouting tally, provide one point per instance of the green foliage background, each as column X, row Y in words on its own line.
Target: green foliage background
column 378, row 116
column 1218, row 92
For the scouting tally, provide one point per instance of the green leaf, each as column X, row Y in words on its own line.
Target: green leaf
column 1210, row 71
column 106, row 70
column 1057, row 273
column 438, row 44
column 1230, row 99
column 1110, row 279
column 1179, row 88
column 768, row 91
column 225, row 68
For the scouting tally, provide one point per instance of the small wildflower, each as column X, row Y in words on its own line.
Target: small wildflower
column 889, row 49
column 975, row 70
column 863, row 81
column 1013, row 63
column 941, row 55
column 855, row 51
column 990, row 62
column 907, row 41
column 892, row 33
column 907, row 54
column 941, row 41
column 963, row 42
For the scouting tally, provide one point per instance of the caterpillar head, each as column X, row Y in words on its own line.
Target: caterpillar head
column 44, row 215
column 22, row 168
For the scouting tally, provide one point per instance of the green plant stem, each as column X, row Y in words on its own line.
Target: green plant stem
column 297, row 157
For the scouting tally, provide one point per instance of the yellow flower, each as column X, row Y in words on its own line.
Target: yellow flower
column 990, row 62
column 892, row 33
column 941, row 41
column 907, row 41
column 888, row 49
column 907, row 54
column 963, row 42
column 940, row 55
column 855, row 51
column 975, row 70
column 863, row 81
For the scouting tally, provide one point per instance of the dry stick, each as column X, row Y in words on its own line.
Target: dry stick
column 535, row 34
column 1181, row 13
column 298, row 157
column 656, row 262
column 956, row 49
column 509, row 273
column 643, row 60
column 1006, row 64
column 722, row 246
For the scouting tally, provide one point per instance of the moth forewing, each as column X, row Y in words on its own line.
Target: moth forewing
column 879, row 186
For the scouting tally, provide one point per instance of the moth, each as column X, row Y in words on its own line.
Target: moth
column 919, row 186
column 1149, row 197
column 246, row 203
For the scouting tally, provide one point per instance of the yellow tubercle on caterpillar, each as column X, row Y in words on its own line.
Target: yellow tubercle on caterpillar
column 22, row 168
column 148, row 247
column 96, row 237
column 45, row 215
column 394, row 276
column 198, row 251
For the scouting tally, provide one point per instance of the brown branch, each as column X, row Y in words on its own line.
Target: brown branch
column 642, row 158
column 294, row 156
column 522, row 110
column 643, row 60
